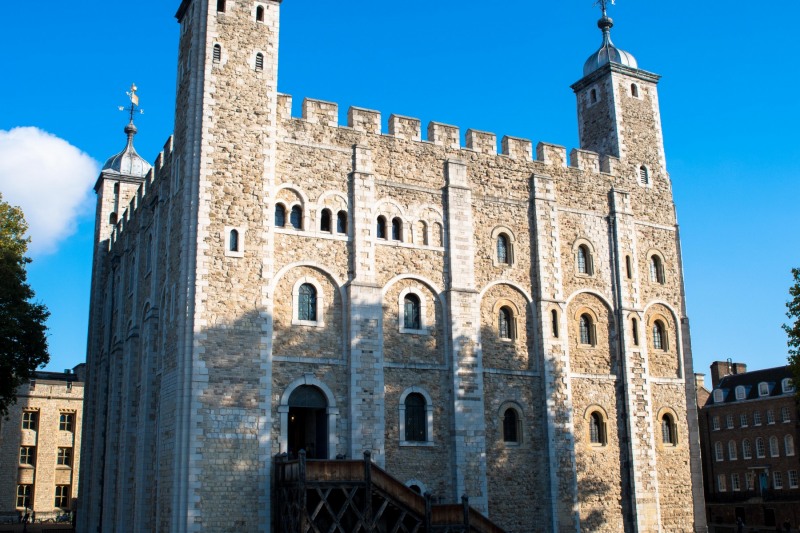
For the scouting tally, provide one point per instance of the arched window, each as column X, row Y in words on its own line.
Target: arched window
column 644, row 175
column 583, row 259
column 634, row 90
column 719, row 452
column 438, row 234
column 220, row 6
column 760, row 450
column 656, row 270
column 341, row 222
column 416, row 424
column 659, row 336
column 280, row 215
column 788, row 445
column 510, row 425
column 296, row 217
column 740, row 393
column 233, row 241
column 763, row 389
column 635, row 329
column 593, row 96
column 502, row 249
column 787, row 385
column 586, row 327
column 732, row 450
column 668, row 430
column 416, row 488
column 747, row 449
column 505, row 323
column 554, row 319
column 411, row 312
column 217, row 55
column 259, row 62
column 260, row 14
column 423, row 227
column 397, row 229
column 774, row 450
column 381, row 227
column 325, row 220
column 597, row 429
column 307, row 303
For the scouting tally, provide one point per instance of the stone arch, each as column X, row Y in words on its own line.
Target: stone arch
column 664, row 363
column 413, row 346
column 429, row 411
column 331, row 412
column 677, row 425
column 514, row 352
column 600, row 356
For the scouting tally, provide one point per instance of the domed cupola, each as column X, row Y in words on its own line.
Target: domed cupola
column 128, row 162
column 608, row 53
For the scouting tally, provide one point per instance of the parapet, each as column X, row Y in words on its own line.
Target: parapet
column 551, row 154
column 482, row 142
column 405, row 128
column 584, row 160
column 517, row 148
column 321, row 112
column 364, row 120
column 444, row 135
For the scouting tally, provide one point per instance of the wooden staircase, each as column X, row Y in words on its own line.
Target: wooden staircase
column 345, row 496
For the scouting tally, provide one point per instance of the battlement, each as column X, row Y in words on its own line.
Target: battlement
column 369, row 121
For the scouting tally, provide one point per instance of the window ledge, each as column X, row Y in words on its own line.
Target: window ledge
column 416, row 444
column 414, row 331
column 309, row 323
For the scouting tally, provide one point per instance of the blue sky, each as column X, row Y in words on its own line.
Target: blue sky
column 728, row 100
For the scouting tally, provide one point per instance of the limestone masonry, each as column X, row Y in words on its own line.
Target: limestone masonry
column 506, row 326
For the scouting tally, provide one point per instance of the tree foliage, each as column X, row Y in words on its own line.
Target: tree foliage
column 793, row 328
column 23, row 343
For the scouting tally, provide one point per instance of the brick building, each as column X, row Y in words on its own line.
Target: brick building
column 506, row 326
column 749, row 428
column 40, row 442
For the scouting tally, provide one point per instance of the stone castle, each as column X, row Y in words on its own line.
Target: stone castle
column 507, row 326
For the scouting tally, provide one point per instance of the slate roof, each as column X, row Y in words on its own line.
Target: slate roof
column 749, row 380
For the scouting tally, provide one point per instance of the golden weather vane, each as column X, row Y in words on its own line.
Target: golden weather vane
column 134, row 102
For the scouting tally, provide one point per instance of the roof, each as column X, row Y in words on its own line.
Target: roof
column 773, row 377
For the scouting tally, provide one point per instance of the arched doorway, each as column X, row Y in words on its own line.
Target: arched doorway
column 308, row 422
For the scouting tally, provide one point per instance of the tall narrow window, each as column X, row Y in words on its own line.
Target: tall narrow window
column 29, row 419
column 423, row 228
column 586, row 327
column 634, row 90
column 505, row 326
column 24, row 496
column 659, row 336
column 740, row 393
column 732, row 449
column 217, row 55
column 280, row 216
column 635, row 327
column 785, row 417
column 774, row 450
column 628, row 267
column 397, row 229
column 735, row 486
column 307, row 303
column 510, row 425
column 593, row 96
column 148, row 256
column 381, row 229
column 416, row 426
column 325, row 220
column 259, row 62
column 788, row 445
column 668, row 433
column 554, row 319
column 770, row 416
column 341, row 222
column 597, row 430
column 62, row 496
column 64, row 457
column 260, row 14
column 760, row 448
column 583, row 260
column 719, row 452
column 296, row 217
column 411, row 312
column 747, row 449
column 65, row 422
column 27, row 455
column 233, row 241
column 644, row 175
column 502, row 249
column 221, row 6
column 656, row 270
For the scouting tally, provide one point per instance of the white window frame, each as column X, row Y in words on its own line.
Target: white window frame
column 777, row 480
column 774, row 447
column 721, row 483
column 718, row 396
column 741, row 394
column 770, row 417
column 729, row 421
column 732, row 451
column 763, row 389
column 747, row 449
column 227, row 237
column 756, row 418
column 735, row 485
column 787, row 385
column 320, row 321
column 788, row 445
column 401, row 311
column 743, row 422
column 785, row 415
column 761, row 451
column 792, row 475
column 428, row 417
column 715, row 423
column 512, row 242
column 719, row 452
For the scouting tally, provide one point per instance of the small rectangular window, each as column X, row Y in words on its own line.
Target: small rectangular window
column 757, row 418
column 65, row 422
column 62, row 496
column 785, row 416
column 729, row 421
column 770, row 416
column 721, row 484
column 735, row 483
column 64, row 457
column 777, row 480
column 743, row 420
column 24, row 496
column 27, row 455
column 220, row 6
column 792, row 479
column 29, row 419
column 715, row 423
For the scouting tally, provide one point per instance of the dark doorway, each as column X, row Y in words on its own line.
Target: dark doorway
column 308, row 422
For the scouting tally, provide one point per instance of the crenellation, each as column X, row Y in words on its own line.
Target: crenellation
column 284, row 107
column 609, row 164
column 321, row 112
column 551, row 154
column 517, row 148
column 585, row 160
column 482, row 142
column 364, row 120
column 405, row 128
column 444, row 135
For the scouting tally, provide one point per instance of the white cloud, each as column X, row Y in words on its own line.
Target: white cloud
column 50, row 180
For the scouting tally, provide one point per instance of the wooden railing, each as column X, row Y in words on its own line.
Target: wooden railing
column 296, row 477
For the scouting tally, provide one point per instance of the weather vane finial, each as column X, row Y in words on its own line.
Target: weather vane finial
column 604, row 4
column 135, row 102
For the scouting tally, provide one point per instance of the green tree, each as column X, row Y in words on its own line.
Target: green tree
column 23, row 343
column 793, row 328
